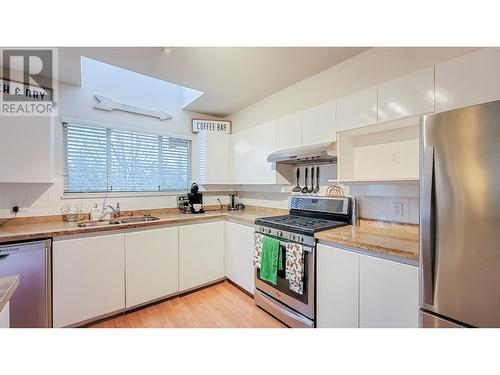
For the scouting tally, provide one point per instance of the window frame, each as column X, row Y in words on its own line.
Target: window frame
column 114, row 193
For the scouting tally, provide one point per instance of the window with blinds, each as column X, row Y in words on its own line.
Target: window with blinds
column 98, row 159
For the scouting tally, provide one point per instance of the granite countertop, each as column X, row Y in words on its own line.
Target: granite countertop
column 394, row 239
column 8, row 284
column 37, row 229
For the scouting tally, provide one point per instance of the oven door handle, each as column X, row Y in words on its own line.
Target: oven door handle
column 309, row 249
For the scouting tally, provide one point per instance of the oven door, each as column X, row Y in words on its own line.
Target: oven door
column 303, row 303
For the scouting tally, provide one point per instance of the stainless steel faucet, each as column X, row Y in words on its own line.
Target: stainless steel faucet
column 116, row 211
column 105, row 207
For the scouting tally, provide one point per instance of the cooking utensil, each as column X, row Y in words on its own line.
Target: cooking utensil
column 305, row 189
column 311, row 189
column 316, row 189
column 297, row 189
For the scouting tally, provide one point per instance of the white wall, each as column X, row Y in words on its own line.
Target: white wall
column 362, row 71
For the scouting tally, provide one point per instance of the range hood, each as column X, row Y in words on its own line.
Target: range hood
column 315, row 154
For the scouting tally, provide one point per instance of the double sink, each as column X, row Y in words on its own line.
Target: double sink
column 124, row 220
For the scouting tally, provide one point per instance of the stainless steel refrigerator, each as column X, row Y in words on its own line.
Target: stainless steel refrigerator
column 460, row 217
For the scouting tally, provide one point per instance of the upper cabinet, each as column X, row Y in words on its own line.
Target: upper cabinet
column 407, row 96
column 250, row 149
column 468, row 80
column 263, row 139
column 319, row 124
column 27, row 144
column 357, row 110
column 241, row 149
column 288, row 132
column 213, row 151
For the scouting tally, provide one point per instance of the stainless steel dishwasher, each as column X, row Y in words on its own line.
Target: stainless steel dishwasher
column 31, row 304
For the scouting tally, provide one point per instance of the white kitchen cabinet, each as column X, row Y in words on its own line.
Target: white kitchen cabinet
column 88, row 278
column 407, row 96
column 250, row 149
column 263, row 141
column 201, row 254
column 5, row 316
column 319, row 124
column 239, row 255
column 388, row 294
column 213, row 156
column 27, row 144
column 288, row 132
column 468, row 80
column 337, row 288
column 357, row 110
column 241, row 154
column 151, row 261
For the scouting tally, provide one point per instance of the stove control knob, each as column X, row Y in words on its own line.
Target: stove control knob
column 280, row 234
column 301, row 239
column 293, row 237
column 269, row 231
column 262, row 230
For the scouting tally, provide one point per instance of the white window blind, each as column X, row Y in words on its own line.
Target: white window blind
column 98, row 159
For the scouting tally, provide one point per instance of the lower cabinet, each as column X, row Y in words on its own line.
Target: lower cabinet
column 88, row 278
column 388, row 293
column 239, row 255
column 337, row 288
column 201, row 254
column 355, row 290
column 151, row 264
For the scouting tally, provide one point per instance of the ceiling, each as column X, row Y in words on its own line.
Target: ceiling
column 232, row 78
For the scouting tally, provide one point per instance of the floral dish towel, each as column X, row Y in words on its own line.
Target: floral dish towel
column 294, row 271
column 257, row 249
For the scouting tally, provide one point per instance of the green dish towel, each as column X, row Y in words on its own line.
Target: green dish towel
column 271, row 259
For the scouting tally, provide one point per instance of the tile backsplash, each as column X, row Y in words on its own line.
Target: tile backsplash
column 389, row 208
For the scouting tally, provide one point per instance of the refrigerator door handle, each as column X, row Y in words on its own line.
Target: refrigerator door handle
column 427, row 246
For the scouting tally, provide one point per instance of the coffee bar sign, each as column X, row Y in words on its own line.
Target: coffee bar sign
column 216, row 126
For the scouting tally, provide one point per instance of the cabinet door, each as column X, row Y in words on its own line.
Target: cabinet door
column 263, row 140
column 201, row 254
column 288, row 132
column 151, row 264
column 319, row 124
column 337, row 288
column 241, row 154
column 468, row 80
column 239, row 255
column 26, row 142
column 88, row 278
column 357, row 110
column 407, row 96
column 213, row 154
column 388, row 294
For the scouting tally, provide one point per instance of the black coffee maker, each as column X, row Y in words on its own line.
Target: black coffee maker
column 195, row 200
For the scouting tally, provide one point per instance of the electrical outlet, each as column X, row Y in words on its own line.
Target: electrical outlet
column 397, row 209
column 396, row 157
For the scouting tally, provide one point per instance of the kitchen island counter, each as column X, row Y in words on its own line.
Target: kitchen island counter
column 8, row 285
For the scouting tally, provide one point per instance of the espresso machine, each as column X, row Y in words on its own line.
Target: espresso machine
column 195, row 200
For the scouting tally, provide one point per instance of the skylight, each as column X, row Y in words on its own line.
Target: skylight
column 125, row 84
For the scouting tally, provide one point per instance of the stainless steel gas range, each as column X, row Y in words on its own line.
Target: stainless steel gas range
column 307, row 216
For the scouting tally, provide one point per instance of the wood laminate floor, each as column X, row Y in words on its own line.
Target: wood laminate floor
column 218, row 306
